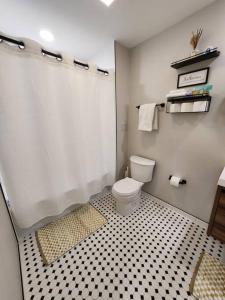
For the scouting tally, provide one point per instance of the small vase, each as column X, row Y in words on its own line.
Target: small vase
column 195, row 52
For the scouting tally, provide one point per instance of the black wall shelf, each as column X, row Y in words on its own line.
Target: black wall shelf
column 195, row 59
column 188, row 99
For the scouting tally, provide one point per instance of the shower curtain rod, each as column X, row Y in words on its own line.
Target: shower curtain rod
column 20, row 44
column 86, row 66
column 59, row 57
column 103, row 71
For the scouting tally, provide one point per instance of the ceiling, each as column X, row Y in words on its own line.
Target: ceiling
column 87, row 27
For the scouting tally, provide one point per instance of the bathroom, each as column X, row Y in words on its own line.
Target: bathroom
column 112, row 117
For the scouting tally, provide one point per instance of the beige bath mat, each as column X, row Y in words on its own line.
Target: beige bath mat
column 208, row 281
column 57, row 238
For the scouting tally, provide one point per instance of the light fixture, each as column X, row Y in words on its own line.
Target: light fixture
column 46, row 35
column 107, row 2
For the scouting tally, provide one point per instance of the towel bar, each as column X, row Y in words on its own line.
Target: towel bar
column 158, row 105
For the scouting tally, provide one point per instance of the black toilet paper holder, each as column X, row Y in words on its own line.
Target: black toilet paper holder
column 182, row 181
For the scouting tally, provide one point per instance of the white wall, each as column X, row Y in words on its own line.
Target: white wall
column 10, row 280
column 105, row 58
column 122, row 101
column 188, row 145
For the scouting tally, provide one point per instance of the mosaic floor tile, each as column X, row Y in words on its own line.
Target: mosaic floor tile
column 150, row 255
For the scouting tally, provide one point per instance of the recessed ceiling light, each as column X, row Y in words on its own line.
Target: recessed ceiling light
column 47, row 35
column 107, row 2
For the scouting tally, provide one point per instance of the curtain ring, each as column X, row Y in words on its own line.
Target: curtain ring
column 21, row 46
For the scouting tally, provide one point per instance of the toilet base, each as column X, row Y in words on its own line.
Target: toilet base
column 126, row 206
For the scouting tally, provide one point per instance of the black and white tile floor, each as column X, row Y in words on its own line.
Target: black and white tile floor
column 147, row 255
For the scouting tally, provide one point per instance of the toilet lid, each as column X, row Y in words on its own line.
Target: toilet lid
column 127, row 186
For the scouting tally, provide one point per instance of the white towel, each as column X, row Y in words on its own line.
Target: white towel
column 187, row 107
column 177, row 93
column 176, row 107
column 200, row 106
column 148, row 117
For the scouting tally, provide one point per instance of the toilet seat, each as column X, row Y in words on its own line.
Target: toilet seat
column 127, row 187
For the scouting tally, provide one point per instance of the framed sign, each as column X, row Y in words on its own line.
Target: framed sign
column 193, row 78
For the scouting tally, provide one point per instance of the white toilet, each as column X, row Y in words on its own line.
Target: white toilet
column 127, row 191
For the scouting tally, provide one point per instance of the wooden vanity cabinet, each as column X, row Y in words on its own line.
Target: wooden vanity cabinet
column 216, row 226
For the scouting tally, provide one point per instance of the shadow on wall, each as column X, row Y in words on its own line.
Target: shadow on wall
column 220, row 113
column 122, row 145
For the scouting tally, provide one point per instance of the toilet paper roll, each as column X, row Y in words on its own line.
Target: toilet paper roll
column 200, row 106
column 176, row 107
column 186, row 107
column 175, row 181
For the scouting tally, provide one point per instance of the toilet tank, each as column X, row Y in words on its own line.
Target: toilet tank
column 141, row 168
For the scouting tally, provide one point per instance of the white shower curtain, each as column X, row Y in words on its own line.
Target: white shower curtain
column 57, row 132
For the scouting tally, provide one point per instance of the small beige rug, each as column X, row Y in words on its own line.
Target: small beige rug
column 208, row 281
column 60, row 236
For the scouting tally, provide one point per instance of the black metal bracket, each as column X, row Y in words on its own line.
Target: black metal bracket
column 103, row 71
column 157, row 105
column 48, row 53
column 20, row 44
column 83, row 65
column 182, row 181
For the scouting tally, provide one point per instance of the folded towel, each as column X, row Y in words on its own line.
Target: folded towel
column 187, row 107
column 177, row 94
column 176, row 107
column 200, row 106
column 178, row 91
column 148, row 117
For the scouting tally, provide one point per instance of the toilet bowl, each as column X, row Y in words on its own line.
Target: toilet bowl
column 127, row 191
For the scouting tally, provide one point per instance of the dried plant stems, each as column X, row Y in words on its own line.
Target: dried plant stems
column 196, row 37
